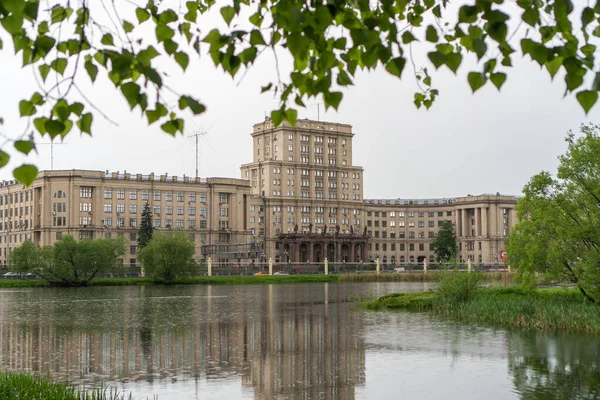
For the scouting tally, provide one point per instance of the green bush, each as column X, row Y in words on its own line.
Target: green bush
column 457, row 288
column 168, row 257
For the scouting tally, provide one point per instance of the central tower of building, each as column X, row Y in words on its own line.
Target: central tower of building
column 302, row 181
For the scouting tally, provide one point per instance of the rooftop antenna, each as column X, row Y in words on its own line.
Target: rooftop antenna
column 196, row 134
column 51, row 143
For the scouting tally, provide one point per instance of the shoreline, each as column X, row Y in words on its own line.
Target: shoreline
column 370, row 277
column 564, row 310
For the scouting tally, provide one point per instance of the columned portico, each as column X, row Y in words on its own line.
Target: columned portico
column 315, row 247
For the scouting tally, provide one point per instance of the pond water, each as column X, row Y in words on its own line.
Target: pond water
column 305, row 341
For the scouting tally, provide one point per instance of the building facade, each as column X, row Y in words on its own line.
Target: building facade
column 300, row 200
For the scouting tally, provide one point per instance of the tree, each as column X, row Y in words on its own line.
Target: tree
column 146, row 228
column 444, row 244
column 167, row 257
column 558, row 232
column 69, row 262
column 327, row 41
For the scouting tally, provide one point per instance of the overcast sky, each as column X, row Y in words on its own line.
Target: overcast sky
column 466, row 144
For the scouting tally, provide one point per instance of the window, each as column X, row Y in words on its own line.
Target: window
column 421, row 247
column 108, row 221
column 156, row 196
column 145, row 195
column 133, row 222
column 191, row 224
column 133, row 236
column 192, row 196
column 448, row 213
column 180, row 196
column 120, row 208
column 203, row 211
column 203, row 224
column 120, row 222
column 202, row 197
column 156, row 210
column 180, row 223
column 132, row 195
column 85, row 192
column 58, row 235
column 179, row 210
column 133, row 209
column 120, row 194
column 156, row 223
column 169, row 210
column 191, row 211
column 421, row 214
column 108, row 193
column 85, row 207
column 132, row 249
column 224, row 198
column 169, row 196
column 223, row 212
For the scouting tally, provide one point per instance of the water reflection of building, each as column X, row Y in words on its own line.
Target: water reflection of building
column 278, row 346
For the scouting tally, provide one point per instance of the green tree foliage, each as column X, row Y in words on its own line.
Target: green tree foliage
column 328, row 42
column 559, row 229
column 69, row 262
column 168, row 256
column 444, row 244
column 146, row 228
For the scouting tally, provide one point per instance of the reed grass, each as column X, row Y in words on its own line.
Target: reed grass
column 431, row 276
column 29, row 387
column 540, row 309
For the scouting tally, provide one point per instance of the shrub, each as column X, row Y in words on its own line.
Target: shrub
column 457, row 288
column 168, row 257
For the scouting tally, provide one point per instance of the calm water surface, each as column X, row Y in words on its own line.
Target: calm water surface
column 281, row 342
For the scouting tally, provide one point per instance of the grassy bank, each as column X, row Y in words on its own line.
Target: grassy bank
column 27, row 387
column 543, row 309
column 432, row 276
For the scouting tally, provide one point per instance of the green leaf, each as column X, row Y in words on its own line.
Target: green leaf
column 467, row 14
column 277, row 116
column 192, row 104
column 24, row 146
column 39, row 124
column 62, row 111
column 163, row 32
column 395, row 66
column 172, row 126
column 26, row 108
column 12, row 24
column 59, row 65
column 431, row 34
column 155, row 115
column 248, row 56
column 476, row 80
column 587, row 99
column 85, row 123
column 13, row 6
column 4, row 158
column 44, row 70
column 76, row 108
column 408, row 37
column 498, row 79
column 256, row 38
column 479, row 47
column 182, row 59
column 107, row 40
column 142, row 15
column 131, row 91
column 333, row 99
column 54, row 127
column 59, row 14
column 266, row 88
column 531, row 16
column 292, row 116
column 343, row 79
column 553, row 65
column 92, row 70
column 127, row 26
column 168, row 16
column 453, row 61
column 43, row 44
column 228, row 13
column 437, row 58
column 25, row 174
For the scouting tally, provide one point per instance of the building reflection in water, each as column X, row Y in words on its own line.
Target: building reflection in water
column 279, row 344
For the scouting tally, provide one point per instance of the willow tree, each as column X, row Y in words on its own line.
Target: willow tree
column 559, row 229
column 328, row 42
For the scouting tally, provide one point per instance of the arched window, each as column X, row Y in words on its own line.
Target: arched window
column 60, row 194
column 384, row 260
column 412, row 259
column 393, row 260
column 402, row 260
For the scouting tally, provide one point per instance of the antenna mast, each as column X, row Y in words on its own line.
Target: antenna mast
column 52, row 153
column 196, row 134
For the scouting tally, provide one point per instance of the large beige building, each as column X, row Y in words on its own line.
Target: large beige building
column 300, row 200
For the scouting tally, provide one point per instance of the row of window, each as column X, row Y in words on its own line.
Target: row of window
column 15, row 197
column 401, row 235
column 86, row 192
column 410, row 214
column 17, row 212
column 179, row 210
column 400, row 247
column 402, row 224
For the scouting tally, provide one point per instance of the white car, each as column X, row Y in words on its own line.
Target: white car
column 280, row 273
